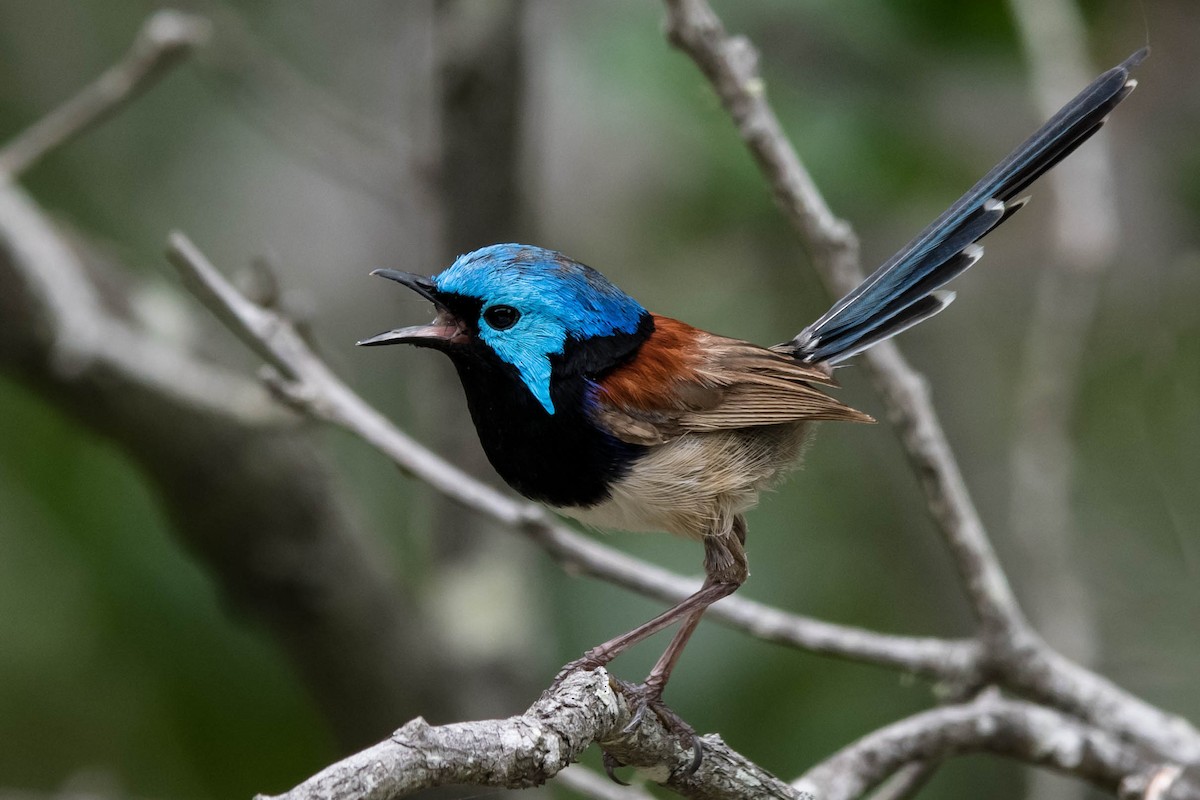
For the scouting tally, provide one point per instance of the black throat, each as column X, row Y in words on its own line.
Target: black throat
column 561, row 459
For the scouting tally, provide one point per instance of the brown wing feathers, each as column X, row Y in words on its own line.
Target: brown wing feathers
column 684, row 379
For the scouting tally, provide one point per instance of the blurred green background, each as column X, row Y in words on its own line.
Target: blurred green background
column 124, row 672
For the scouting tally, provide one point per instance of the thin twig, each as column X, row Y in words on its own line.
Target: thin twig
column 164, row 40
column 248, row 321
column 1157, row 784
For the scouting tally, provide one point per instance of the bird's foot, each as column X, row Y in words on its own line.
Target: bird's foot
column 647, row 697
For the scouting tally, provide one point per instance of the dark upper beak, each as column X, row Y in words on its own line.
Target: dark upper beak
column 418, row 283
column 445, row 328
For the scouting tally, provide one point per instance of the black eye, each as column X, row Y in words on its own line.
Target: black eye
column 501, row 317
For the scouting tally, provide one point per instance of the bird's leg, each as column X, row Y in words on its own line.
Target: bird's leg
column 601, row 654
column 656, row 682
column 648, row 696
column 726, row 570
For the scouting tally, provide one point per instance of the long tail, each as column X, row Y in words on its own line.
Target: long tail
column 902, row 292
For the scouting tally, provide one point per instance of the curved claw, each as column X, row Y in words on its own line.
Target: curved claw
column 643, row 698
column 610, row 763
column 697, row 756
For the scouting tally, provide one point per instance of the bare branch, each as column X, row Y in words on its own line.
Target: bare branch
column 164, row 40
column 251, row 323
column 518, row 752
column 1085, row 220
column 530, row 749
column 1044, row 675
column 947, row 660
column 1016, row 729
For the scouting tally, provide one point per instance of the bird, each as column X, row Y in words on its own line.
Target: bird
column 624, row 419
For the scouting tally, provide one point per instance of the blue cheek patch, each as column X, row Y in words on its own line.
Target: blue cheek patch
column 528, row 346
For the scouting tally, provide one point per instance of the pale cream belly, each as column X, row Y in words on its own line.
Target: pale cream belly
column 696, row 484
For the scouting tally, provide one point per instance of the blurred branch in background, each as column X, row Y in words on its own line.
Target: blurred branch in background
column 165, row 40
column 245, row 486
column 595, row 786
column 481, row 84
column 909, row 779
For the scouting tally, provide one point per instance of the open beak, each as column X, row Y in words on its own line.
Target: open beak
column 444, row 330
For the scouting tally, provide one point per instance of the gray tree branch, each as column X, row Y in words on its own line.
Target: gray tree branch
column 1017, row 729
column 907, row 780
column 529, row 749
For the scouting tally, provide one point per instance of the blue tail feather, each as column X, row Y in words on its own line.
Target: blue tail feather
column 854, row 342
column 894, row 317
column 880, row 306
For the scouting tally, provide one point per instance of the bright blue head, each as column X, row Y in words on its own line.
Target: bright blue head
column 556, row 300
